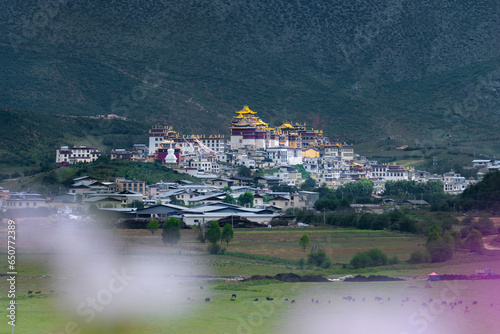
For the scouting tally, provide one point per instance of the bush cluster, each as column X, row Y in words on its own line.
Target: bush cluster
column 419, row 257
column 319, row 258
column 371, row 258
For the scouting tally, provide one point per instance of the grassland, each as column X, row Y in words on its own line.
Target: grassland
column 165, row 295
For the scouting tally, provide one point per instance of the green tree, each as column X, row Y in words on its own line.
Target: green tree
column 434, row 233
column 153, row 226
column 246, row 199
column 229, row 199
column 326, row 204
column 244, row 171
column 474, row 241
column 353, row 190
column 304, row 241
column 484, row 195
column 308, row 185
column 381, row 222
column 213, row 235
column 227, row 234
column 171, row 232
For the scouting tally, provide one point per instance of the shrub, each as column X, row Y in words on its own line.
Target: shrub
column 419, row 257
column 381, row 222
column 484, row 225
column 319, row 258
column 214, row 248
column 153, row 226
column 467, row 221
column 360, row 260
column 440, row 250
column 371, row 258
column 377, row 258
column 457, row 236
column 171, row 233
column 394, row 260
column 474, row 241
column 464, row 231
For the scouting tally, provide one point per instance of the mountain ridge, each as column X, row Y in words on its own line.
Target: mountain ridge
column 361, row 71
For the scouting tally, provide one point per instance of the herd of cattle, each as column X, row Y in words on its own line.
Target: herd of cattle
column 451, row 304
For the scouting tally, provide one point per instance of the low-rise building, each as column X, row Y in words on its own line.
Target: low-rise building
column 285, row 155
column 4, row 194
column 131, row 185
column 25, row 200
column 454, row 184
column 68, row 155
column 205, row 214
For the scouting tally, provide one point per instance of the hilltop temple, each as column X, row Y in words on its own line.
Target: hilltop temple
column 249, row 131
column 163, row 137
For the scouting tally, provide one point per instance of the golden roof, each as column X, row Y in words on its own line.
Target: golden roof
column 287, row 125
column 260, row 122
column 246, row 110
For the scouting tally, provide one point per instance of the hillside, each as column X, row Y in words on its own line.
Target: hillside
column 426, row 73
column 30, row 139
column 59, row 181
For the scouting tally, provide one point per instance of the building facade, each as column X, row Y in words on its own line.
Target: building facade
column 249, row 131
column 68, row 155
column 131, row 185
column 186, row 144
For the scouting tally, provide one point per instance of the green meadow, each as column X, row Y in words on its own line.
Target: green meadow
column 166, row 294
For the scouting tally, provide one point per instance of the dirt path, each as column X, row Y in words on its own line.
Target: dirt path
column 487, row 240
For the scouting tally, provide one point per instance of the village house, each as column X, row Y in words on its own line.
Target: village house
column 4, row 194
column 285, row 155
column 222, row 183
column 131, row 185
column 85, row 184
column 25, row 200
column 67, row 155
column 258, row 201
column 207, row 213
column 454, row 184
column 205, row 199
column 104, row 198
column 159, row 188
column 242, row 181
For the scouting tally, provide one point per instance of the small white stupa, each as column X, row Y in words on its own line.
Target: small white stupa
column 170, row 159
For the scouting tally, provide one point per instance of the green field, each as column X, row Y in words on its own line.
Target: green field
column 163, row 294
